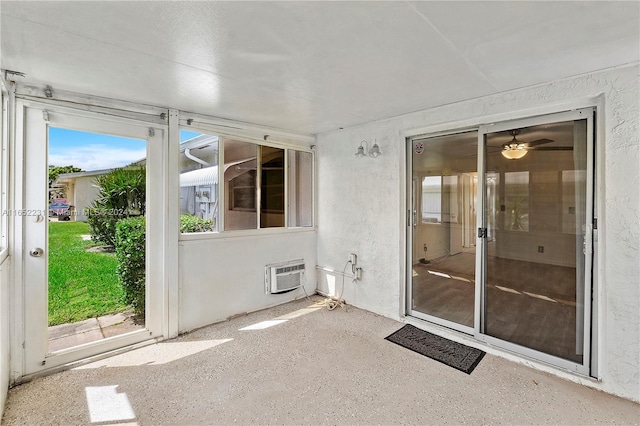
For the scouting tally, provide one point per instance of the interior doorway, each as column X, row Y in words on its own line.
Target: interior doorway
column 522, row 279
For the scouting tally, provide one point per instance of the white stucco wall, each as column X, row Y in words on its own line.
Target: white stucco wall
column 223, row 277
column 360, row 206
column 4, row 333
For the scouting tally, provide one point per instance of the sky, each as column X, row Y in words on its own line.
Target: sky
column 95, row 151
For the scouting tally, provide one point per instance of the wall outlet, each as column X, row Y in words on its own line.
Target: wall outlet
column 353, row 258
column 540, row 249
column 358, row 274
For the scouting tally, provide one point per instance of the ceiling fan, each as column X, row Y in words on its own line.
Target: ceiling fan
column 515, row 149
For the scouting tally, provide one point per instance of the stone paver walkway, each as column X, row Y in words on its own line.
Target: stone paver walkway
column 65, row 336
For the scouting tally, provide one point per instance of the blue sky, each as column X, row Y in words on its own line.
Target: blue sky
column 95, row 151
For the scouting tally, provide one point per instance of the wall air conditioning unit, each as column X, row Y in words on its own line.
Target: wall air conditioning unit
column 283, row 277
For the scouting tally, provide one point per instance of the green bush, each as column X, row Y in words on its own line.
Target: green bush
column 190, row 223
column 130, row 252
column 102, row 224
column 122, row 193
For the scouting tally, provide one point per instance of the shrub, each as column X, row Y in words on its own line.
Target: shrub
column 190, row 223
column 130, row 252
column 122, row 193
column 102, row 224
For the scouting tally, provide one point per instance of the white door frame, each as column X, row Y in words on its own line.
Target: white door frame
column 29, row 344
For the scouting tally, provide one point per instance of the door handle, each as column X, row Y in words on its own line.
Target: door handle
column 36, row 252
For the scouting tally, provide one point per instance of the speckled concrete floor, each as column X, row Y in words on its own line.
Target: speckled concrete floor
column 317, row 367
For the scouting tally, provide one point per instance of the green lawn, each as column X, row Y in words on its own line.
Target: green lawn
column 81, row 284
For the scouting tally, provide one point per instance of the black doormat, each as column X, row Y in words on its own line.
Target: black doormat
column 456, row 355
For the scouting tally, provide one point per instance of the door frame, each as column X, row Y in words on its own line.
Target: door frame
column 26, row 356
column 584, row 109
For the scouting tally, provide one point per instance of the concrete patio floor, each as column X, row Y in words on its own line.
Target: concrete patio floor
column 300, row 364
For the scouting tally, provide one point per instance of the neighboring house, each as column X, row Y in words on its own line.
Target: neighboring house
column 80, row 190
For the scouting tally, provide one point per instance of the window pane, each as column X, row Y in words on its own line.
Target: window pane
column 300, row 188
column 517, row 201
column 240, row 162
column 199, row 201
column 443, row 253
column 272, row 188
column 535, row 279
column 432, row 199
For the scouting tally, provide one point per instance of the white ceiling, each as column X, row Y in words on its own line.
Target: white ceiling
column 311, row 66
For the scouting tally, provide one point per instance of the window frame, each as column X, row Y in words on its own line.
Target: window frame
column 5, row 105
column 267, row 141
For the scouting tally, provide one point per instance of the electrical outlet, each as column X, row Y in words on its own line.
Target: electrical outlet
column 353, row 258
column 358, row 274
column 540, row 249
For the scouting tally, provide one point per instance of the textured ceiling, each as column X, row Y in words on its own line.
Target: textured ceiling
column 311, row 66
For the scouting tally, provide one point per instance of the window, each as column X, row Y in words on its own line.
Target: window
column 240, row 180
column 432, row 199
column 199, row 201
column 516, row 201
column 4, row 176
column 272, row 187
column 257, row 186
column 300, row 181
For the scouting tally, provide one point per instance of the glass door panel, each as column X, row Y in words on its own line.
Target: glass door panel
column 444, row 179
column 535, row 265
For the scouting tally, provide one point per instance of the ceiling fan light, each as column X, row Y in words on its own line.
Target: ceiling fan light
column 513, row 151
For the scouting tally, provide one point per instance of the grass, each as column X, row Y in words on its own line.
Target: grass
column 81, row 284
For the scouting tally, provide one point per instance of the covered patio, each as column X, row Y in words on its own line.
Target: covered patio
column 300, row 363
column 470, row 168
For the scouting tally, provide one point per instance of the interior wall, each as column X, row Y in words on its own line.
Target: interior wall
column 4, row 333
column 435, row 236
column 223, row 277
column 360, row 207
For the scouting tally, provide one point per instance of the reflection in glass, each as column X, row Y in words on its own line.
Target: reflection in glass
column 199, row 200
column 300, row 182
column 535, row 265
column 444, row 252
column 240, row 180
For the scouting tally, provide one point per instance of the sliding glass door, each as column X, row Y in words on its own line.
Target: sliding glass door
column 536, row 289
column 501, row 235
column 443, row 249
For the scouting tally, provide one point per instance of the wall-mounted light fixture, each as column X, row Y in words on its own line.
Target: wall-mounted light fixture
column 373, row 152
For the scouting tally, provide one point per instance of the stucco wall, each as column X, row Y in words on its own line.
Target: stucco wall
column 360, row 206
column 4, row 333
column 223, row 277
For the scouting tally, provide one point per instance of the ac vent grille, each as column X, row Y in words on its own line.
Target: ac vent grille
column 283, row 277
